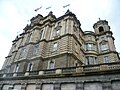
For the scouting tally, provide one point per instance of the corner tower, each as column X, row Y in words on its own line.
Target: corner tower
column 105, row 42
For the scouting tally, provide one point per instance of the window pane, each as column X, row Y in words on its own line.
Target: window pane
column 30, row 66
column 57, row 32
column 51, row 64
column 35, row 49
column 16, row 68
column 104, row 46
column 87, row 60
column 41, row 32
column 106, row 59
column 55, row 46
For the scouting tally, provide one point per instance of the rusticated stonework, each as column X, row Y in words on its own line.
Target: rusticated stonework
column 56, row 54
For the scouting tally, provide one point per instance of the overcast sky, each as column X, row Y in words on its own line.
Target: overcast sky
column 15, row 14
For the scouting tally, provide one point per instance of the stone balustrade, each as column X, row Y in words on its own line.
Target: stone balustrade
column 80, row 69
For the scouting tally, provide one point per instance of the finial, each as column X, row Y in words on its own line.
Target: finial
column 99, row 19
column 68, row 11
column 50, row 12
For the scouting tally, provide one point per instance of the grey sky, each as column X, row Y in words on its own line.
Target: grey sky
column 14, row 15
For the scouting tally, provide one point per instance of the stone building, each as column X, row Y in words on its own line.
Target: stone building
column 56, row 54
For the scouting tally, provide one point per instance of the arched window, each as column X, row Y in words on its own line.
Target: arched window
column 101, row 29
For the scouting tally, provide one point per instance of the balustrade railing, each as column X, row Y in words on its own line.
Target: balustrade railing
column 79, row 69
column 69, row 70
column 20, row 73
column 9, row 74
column 91, row 68
column 114, row 66
column 51, row 71
column 33, row 72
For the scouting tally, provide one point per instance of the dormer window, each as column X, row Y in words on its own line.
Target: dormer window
column 101, row 29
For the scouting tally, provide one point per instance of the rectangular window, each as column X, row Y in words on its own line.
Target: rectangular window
column 95, row 60
column 30, row 67
column 51, row 64
column 41, row 33
column 58, row 32
column 17, row 68
column 89, row 46
column 35, row 49
column 55, row 46
column 28, row 38
column 87, row 61
column 104, row 46
column 91, row 60
column 106, row 59
column 22, row 53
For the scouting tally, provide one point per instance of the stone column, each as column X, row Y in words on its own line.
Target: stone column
column 79, row 86
column 56, row 86
column 107, row 85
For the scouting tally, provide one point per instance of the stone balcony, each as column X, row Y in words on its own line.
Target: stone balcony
column 63, row 72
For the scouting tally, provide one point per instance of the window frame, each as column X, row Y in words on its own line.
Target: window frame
column 55, row 46
column 51, row 64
